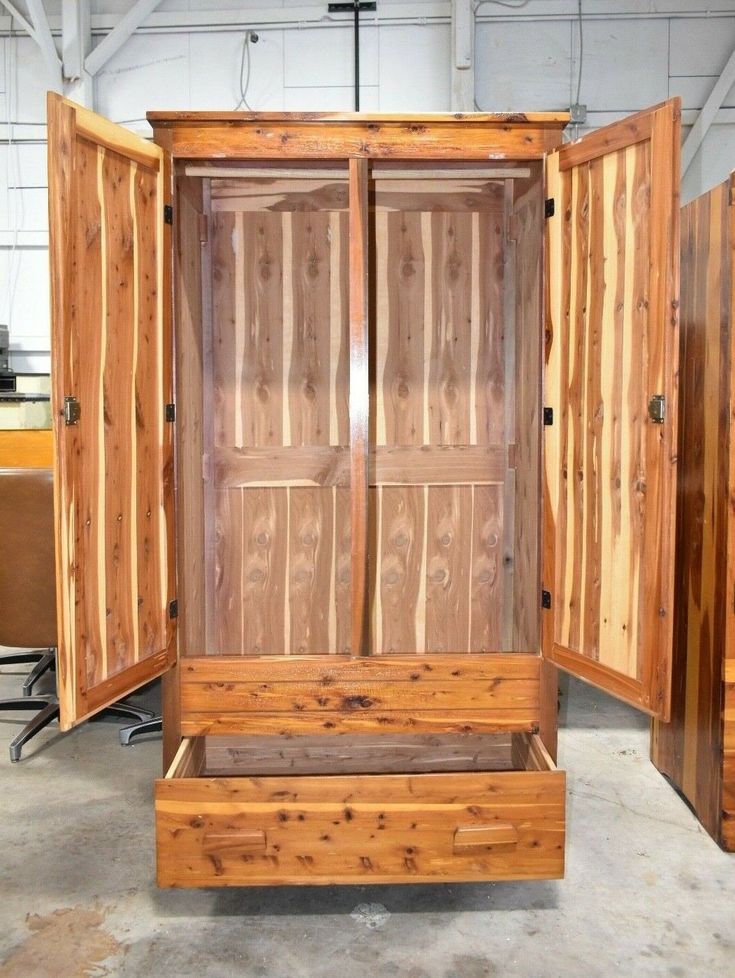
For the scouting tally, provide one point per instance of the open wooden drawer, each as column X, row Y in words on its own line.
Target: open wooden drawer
column 489, row 807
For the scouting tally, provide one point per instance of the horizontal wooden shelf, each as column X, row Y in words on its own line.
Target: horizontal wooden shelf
column 387, row 721
column 244, row 193
column 329, row 465
column 330, row 668
column 339, row 694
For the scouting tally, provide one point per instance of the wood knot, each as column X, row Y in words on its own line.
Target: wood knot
column 357, row 702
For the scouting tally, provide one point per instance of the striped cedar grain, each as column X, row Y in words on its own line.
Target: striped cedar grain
column 697, row 749
column 525, row 489
column 444, row 379
column 282, row 540
column 611, row 344
column 189, row 308
column 359, row 398
column 402, row 520
column 310, row 562
column 445, row 376
column 111, row 351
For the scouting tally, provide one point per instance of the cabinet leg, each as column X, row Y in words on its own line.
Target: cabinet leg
column 171, row 712
column 549, row 707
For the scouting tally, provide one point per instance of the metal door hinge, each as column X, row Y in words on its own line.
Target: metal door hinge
column 168, row 213
column 657, row 409
column 203, row 229
column 549, row 207
column 548, row 416
column 72, row 411
column 173, row 609
column 171, row 413
column 546, row 599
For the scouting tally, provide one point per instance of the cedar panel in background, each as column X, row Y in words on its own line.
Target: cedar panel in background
column 697, row 749
column 448, row 330
column 190, row 401
column 445, row 376
column 527, row 231
column 281, row 375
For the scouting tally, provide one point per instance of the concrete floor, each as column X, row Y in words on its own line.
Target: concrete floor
column 647, row 892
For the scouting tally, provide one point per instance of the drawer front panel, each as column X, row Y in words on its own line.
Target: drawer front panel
column 335, row 694
column 359, row 829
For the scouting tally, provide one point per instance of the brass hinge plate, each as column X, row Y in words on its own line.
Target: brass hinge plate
column 657, row 409
column 72, row 411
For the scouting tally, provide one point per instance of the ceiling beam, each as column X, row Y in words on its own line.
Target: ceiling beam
column 43, row 38
column 76, row 44
column 119, row 34
column 17, row 15
column 708, row 113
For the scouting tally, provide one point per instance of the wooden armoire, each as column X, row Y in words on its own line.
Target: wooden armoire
column 365, row 424
column 696, row 749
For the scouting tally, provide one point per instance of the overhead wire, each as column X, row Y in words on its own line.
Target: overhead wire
column 502, row 3
column 244, row 82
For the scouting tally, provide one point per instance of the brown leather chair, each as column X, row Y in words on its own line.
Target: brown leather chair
column 27, row 589
column 28, row 595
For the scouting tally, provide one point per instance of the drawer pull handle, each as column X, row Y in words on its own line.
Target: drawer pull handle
column 498, row 836
column 250, row 841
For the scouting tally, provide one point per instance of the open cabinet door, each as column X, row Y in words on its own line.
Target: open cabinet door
column 111, row 375
column 610, row 442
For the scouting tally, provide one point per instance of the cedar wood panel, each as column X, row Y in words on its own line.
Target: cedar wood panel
column 114, row 468
column 697, row 749
column 611, row 344
column 443, row 426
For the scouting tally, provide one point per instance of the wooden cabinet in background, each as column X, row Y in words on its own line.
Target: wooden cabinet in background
column 696, row 750
column 420, row 449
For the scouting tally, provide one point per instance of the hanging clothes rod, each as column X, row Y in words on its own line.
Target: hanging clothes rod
column 295, row 173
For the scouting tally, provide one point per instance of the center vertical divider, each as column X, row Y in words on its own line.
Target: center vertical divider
column 359, row 395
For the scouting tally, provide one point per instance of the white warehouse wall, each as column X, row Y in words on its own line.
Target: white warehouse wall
column 188, row 56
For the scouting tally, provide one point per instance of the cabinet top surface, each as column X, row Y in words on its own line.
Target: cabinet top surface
column 550, row 120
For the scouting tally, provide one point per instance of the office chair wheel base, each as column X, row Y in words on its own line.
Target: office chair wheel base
column 46, row 663
column 145, row 726
column 48, row 711
column 126, row 712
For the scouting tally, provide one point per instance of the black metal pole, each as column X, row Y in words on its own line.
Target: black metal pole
column 357, row 55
